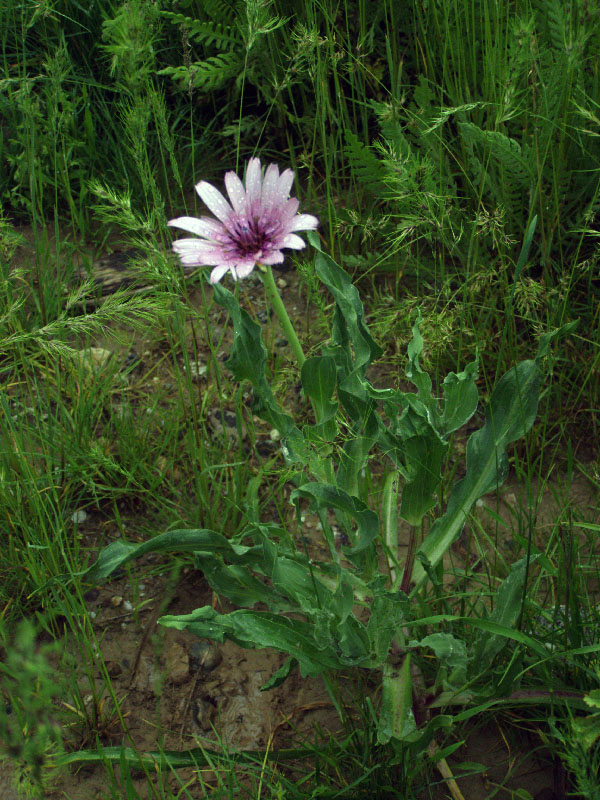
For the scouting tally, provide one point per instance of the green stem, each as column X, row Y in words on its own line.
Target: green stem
column 286, row 324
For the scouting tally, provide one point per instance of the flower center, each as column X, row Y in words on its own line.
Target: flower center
column 249, row 236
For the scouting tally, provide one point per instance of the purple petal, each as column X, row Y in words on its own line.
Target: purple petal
column 269, row 187
column 253, row 185
column 236, row 192
column 293, row 241
column 218, row 272
column 275, row 257
column 243, row 270
column 202, row 226
column 304, row 222
column 284, row 185
column 215, row 201
column 288, row 211
column 196, row 252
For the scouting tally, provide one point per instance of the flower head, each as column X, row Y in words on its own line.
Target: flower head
column 254, row 227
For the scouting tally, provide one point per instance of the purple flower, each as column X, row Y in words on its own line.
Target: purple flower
column 254, row 228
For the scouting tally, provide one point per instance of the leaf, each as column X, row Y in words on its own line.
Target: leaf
column 297, row 582
column 319, row 380
column 280, row 676
column 507, row 610
column 176, row 759
column 423, row 455
column 261, row 629
column 248, row 362
column 451, row 652
column 323, row 496
column 238, row 584
column 460, row 398
column 353, row 346
column 396, row 718
column 180, row 541
column 384, row 623
column 509, row 415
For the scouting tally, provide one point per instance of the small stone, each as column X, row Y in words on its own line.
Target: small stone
column 177, row 663
column 274, row 435
column 132, row 359
column 79, row 517
column 206, row 655
column 197, row 370
column 282, row 283
column 116, row 600
column 114, row 669
column 203, row 713
column 127, row 606
column 93, row 359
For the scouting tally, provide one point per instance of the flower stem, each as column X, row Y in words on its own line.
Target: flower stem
column 276, row 302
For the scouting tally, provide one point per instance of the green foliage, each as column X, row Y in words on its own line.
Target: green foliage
column 268, row 564
column 28, row 686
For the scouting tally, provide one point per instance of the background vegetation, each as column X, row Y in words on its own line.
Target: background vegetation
column 433, row 139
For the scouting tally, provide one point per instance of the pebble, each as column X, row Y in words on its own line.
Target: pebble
column 127, row 606
column 206, row 655
column 114, row 669
column 132, row 359
column 116, row 600
column 197, row 369
column 79, row 517
column 203, row 713
column 274, row 435
column 282, row 283
column 93, row 359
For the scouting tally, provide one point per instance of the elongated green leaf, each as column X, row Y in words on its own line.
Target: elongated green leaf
column 353, row 641
column 301, row 584
column 181, row 541
column 260, row 629
column 319, row 379
column 247, row 362
column 352, row 460
column 451, row 653
column 282, row 674
column 484, row 625
column 385, row 622
column 176, row 759
column 420, row 378
column 424, row 455
column 349, row 322
column 509, row 415
column 322, row 495
column 460, row 398
column 238, row 584
column 507, row 610
column 396, row 719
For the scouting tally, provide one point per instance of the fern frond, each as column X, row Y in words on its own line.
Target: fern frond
column 365, row 166
column 209, row 33
column 210, row 74
column 499, row 148
column 228, row 11
column 554, row 14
